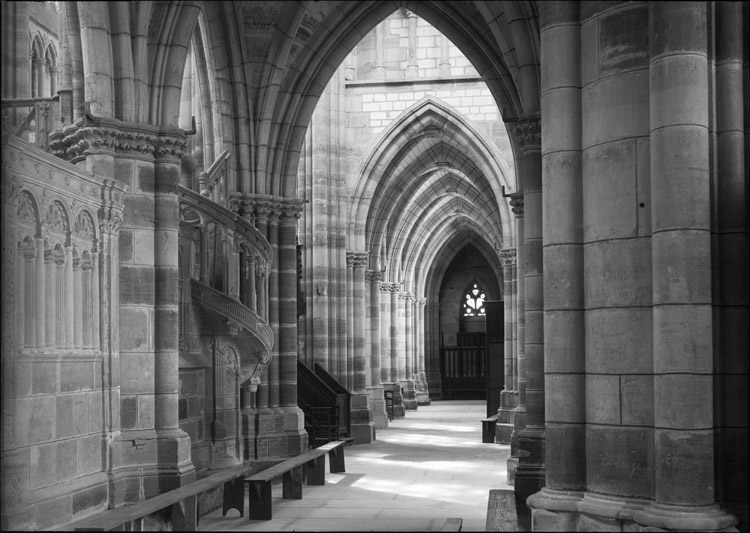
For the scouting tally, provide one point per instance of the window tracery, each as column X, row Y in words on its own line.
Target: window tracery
column 473, row 301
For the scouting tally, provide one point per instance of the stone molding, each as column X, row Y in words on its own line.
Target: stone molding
column 261, row 206
column 508, row 256
column 389, row 287
column 357, row 259
column 373, row 275
column 123, row 139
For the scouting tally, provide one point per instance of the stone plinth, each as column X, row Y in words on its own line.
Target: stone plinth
column 410, row 395
column 363, row 430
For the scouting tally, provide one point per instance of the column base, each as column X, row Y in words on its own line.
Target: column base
column 398, row 399
column 148, row 462
column 422, row 388
column 506, row 416
column 363, row 430
column 410, row 394
column 686, row 518
column 559, row 510
column 530, row 475
column 273, row 432
column 376, row 404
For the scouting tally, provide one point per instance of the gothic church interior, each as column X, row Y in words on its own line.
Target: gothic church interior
column 210, row 208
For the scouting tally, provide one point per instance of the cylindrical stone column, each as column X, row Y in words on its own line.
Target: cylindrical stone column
column 385, row 327
column 273, row 307
column 287, row 338
column 562, row 220
column 359, row 312
column 346, row 364
column 50, row 294
column 88, row 303
column 77, row 303
column 95, row 302
column 409, row 335
column 29, row 258
column 508, row 256
column 40, row 280
column 393, row 333
column 401, row 336
column 683, row 348
column 372, row 278
column 730, row 246
column 69, row 305
column 530, row 474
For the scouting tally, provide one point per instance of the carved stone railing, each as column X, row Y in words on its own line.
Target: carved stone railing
column 32, row 119
column 237, row 315
column 227, row 261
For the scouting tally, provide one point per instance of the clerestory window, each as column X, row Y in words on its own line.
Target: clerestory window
column 473, row 302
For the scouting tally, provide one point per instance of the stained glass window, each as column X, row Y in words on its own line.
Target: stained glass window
column 473, row 304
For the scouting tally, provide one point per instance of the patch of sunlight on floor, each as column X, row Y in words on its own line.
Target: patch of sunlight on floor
column 432, row 440
column 443, row 427
column 438, row 466
column 458, row 493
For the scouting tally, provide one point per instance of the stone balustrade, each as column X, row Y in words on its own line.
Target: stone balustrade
column 232, row 255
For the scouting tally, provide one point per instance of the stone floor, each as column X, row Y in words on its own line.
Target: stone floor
column 421, row 470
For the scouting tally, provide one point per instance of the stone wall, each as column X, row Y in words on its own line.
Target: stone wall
column 60, row 339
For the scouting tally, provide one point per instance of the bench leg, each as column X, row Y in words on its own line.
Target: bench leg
column 234, row 496
column 185, row 514
column 336, row 458
column 316, row 471
column 292, row 484
column 259, row 496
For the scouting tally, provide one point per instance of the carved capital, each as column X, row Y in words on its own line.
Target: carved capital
column 516, row 203
column 374, row 275
column 290, row 212
column 356, row 259
column 529, row 132
column 110, row 223
column 508, row 256
column 170, row 147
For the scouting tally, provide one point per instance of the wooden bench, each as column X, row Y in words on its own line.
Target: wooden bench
column 488, row 429
column 259, row 485
column 183, row 501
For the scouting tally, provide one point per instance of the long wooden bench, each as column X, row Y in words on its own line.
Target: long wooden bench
column 259, row 485
column 183, row 501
